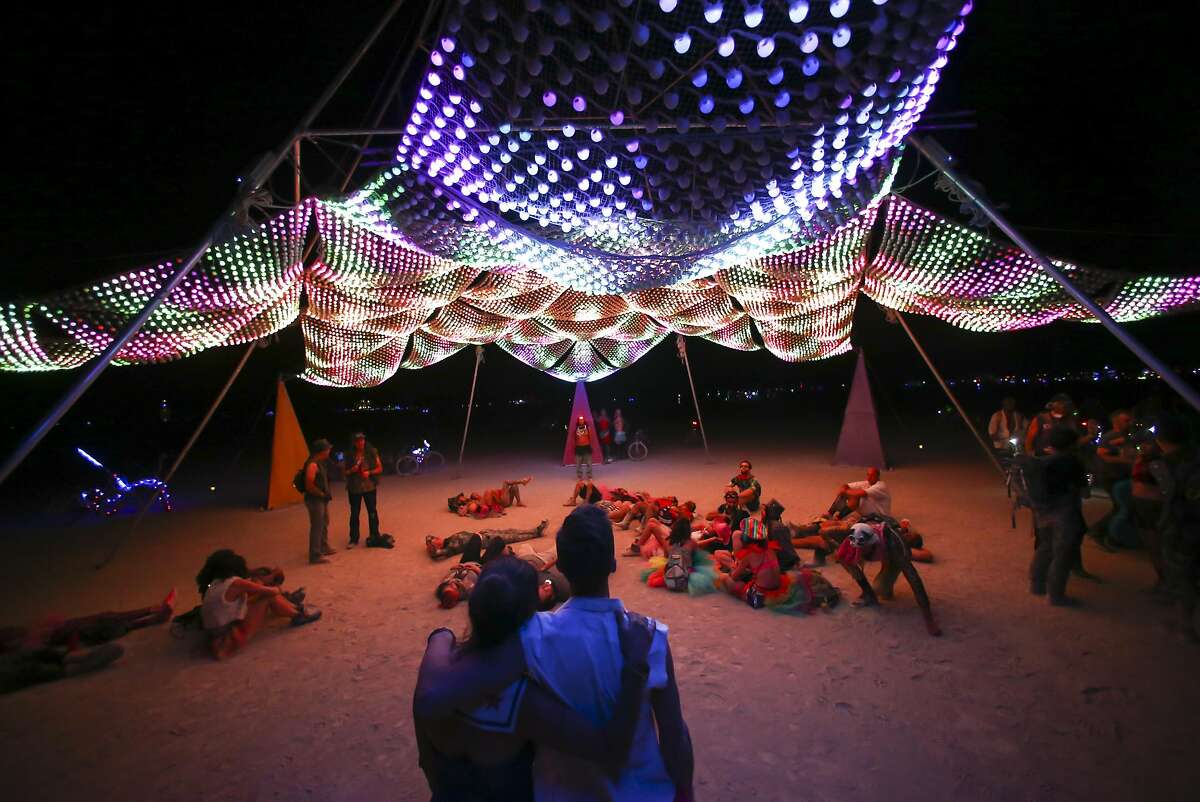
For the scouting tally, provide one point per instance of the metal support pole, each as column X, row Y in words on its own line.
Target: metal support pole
column 682, row 345
column 296, row 164
column 940, row 159
column 187, row 447
column 949, row 394
column 249, row 184
column 470, row 403
column 166, row 478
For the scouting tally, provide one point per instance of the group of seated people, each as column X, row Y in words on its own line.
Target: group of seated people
column 745, row 548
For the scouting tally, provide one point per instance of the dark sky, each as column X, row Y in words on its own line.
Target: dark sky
column 129, row 123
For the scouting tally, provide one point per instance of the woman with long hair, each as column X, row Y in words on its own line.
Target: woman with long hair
column 486, row 754
column 235, row 607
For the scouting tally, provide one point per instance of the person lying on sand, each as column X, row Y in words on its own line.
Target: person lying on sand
column 439, row 548
column 489, row 502
column 57, row 648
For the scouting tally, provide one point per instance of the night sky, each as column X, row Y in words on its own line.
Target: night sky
column 130, row 122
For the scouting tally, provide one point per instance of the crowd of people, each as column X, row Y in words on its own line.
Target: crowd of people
column 547, row 639
column 1147, row 465
column 559, row 687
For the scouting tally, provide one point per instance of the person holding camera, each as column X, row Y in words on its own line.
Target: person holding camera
column 362, row 466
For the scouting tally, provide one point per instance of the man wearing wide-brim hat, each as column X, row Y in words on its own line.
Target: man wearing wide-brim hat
column 316, row 500
column 362, row 468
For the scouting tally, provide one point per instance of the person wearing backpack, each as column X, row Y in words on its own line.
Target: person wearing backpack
column 313, row 482
column 1057, row 501
column 686, row 566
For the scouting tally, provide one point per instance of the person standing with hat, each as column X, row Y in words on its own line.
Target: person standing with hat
column 316, row 500
column 362, row 465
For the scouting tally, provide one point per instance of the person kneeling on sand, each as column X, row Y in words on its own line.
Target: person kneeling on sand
column 234, row 607
column 881, row 542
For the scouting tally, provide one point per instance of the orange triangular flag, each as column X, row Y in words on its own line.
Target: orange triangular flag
column 289, row 450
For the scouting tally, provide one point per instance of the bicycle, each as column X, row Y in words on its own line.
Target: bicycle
column 107, row 500
column 419, row 458
column 638, row 450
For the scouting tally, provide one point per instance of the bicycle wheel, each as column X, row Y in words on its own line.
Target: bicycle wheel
column 434, row 460
column 407, row 465
column 638, row 451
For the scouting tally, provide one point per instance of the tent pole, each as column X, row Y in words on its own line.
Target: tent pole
column 470, row 403
column 249, row 184
column 166, row 478
column 682, row 344
column 296, row 163
column 949, row 394
column 208, row 415
column 939, row 158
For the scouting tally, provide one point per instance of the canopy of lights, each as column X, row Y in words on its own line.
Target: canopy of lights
column 577, row 181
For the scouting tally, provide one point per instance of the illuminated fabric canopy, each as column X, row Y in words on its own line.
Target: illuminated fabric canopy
column 376, row 304
column 577, row 181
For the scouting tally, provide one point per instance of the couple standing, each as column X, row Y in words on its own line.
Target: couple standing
column 564, row 693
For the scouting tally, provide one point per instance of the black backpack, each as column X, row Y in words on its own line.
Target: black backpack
column 298, row 480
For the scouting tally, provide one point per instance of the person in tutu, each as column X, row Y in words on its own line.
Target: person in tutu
column 685, row 565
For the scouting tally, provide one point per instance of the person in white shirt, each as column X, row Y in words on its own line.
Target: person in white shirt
column 1006, row 425
column 575, row 653
column 872, row 495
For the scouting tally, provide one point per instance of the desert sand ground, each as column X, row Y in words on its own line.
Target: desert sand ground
column 1018, row 701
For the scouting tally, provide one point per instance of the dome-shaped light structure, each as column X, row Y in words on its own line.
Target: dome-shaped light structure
column 719, row 105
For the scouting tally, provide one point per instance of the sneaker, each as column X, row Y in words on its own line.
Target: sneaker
column 306, row 616
column 325, row 552
column 318, row 561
